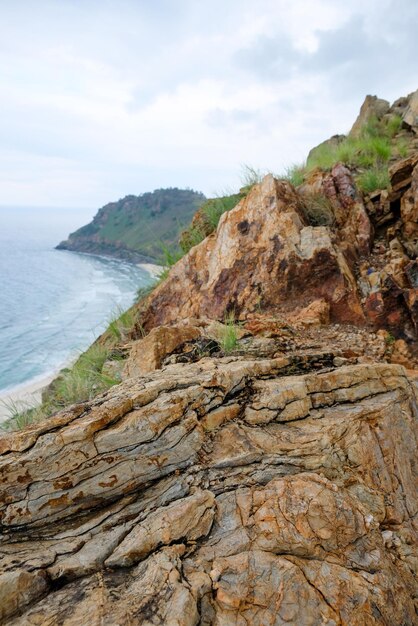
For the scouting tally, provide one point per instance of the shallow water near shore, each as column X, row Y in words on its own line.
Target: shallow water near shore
column 53, row 304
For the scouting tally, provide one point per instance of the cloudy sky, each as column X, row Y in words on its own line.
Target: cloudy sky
column 101, row 98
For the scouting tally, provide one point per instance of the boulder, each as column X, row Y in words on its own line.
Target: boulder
column 263, row 256
column 147, row 354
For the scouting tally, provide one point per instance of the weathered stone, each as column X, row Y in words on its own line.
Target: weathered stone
column 410, row 116
column 372, row 107
column 264, row 265
column 315, row 314
column 147, row 354
column 228, row 491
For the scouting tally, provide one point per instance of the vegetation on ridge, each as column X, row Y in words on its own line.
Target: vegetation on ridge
column 135, row 226
column 368, row 154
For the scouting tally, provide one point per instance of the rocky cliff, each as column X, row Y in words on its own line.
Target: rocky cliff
column 136, row 228
column 257, row 463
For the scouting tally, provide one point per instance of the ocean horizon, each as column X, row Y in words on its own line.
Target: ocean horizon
column 53, row 303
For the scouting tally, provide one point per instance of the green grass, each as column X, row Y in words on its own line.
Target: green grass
column 373, row 179
column 295, row 174
column 402, row 147
column 22, row 414
column 250, row 176
column 228, row 334
column 83, row 381
column 394, row 125
column 121, row 324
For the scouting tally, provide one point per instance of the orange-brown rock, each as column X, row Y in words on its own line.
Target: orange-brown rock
column 147, row 354
column 352, row 224
column 263, row 255
column 372, row 107
column 315, row 314
column 232, row 491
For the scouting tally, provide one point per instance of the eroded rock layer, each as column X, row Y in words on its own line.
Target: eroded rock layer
column 229, row 491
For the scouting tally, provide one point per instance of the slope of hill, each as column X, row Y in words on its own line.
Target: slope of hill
column 254, row 461
column 136, row 228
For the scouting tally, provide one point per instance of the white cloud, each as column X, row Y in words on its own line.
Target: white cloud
column 105, row 98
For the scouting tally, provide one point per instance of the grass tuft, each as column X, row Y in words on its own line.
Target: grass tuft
column 318, row 210
column 294, row 174
column 228, row 334
column 373, row 179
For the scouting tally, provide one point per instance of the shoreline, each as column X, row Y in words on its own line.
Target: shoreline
column 153, row 269
column 26, row 395
column 29, row 394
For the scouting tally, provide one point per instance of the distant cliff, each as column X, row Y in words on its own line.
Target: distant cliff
column 136, row 228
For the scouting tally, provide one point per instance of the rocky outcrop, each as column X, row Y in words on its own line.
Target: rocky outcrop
column 257, row 465
column 228, row 491
column 372, row 107
column 264, row 255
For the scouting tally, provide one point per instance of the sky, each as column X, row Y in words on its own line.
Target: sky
column 104, row 98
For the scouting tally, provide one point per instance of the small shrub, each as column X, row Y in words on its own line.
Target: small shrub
column 192, row 238
column 215, row 207
column 170, row 255
column 346, row 152
column 373, row 179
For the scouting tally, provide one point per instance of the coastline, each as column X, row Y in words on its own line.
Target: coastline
column 26, row 395
column 29, row 394
column 152, row 268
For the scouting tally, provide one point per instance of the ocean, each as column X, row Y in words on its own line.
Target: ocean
column 53, row 303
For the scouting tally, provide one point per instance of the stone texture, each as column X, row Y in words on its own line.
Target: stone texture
column 147, row 354
column 371, row 107
column 259, row 256
column 410, row 115
column 229, row 491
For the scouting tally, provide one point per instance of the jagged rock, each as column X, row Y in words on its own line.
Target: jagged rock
column 147, row 354
column 410, row 116
column 225, row 492
column 371, row 107
column 259, row 257
column 409, row 215
column 353, row 227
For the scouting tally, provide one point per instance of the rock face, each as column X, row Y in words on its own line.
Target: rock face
column 260, row 257
column 225, row 492
column 372, row 107
column 265, row 257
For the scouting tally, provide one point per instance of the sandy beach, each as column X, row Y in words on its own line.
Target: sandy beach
column 25, row 396
column 152, row 269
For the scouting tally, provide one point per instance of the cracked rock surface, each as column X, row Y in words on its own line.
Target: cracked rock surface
column 231, row 491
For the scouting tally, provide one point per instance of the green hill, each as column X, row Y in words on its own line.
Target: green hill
column 136, row 228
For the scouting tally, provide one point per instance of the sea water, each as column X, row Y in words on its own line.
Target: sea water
column 53, row 303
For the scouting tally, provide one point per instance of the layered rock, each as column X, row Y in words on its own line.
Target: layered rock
column 225, row 492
